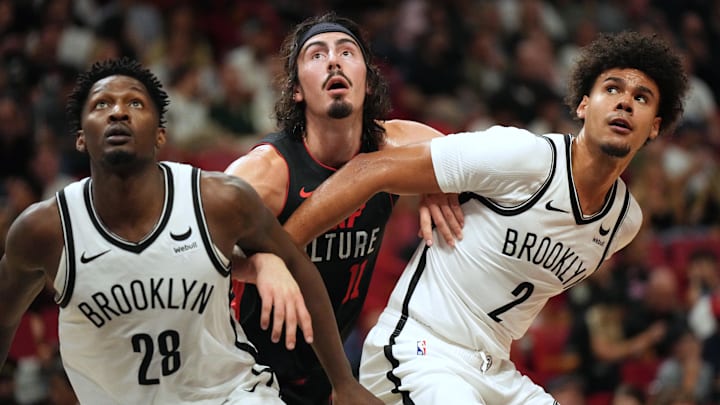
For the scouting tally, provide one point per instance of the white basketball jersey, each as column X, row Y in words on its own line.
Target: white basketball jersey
column 147, row 322
column 525, row 238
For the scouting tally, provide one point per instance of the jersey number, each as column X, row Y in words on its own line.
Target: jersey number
column 356, row 273
column 522, row 292
column 168, row 343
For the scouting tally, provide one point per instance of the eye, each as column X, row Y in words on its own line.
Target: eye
column 641, row 98
column 317, row 55
column 346, row 53
column 136, row 104
column 99, row 105
column 612, row 90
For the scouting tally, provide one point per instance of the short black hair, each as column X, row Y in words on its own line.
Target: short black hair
column 646, row 53
column 102, row 69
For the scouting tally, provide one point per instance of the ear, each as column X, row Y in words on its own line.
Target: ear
column 580, row 110
column 80, row 141
column 298, row 95
column 655, row 130
column 160, row 137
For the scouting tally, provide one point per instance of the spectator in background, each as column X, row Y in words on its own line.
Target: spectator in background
column 16, row 137
column 660, row 304
column 603, row 346
column 700, row 104
column 704, row 313
column 685, row 370
column 188, row 122
column 627, row 394
column 232, row 110
column 182, row 44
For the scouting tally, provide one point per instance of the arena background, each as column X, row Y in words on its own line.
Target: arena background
column 644, row 327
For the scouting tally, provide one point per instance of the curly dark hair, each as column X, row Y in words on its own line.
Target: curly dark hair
column 290, row 115
column 100, row 70
column 649, row 54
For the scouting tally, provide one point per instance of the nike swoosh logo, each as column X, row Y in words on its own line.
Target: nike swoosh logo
column 182, row 236
column 603, row 231
column 305, row 194
column 86, row 260
column 549, row 207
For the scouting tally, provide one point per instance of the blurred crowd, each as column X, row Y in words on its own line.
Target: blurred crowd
column 642, row 330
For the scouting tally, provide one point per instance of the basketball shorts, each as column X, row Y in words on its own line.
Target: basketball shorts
column 423, row 368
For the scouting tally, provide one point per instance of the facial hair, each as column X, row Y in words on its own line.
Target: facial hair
column 340, row 109
column 615, row 151
column 122, row 162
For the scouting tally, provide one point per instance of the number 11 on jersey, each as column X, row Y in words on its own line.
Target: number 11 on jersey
column 356, row 273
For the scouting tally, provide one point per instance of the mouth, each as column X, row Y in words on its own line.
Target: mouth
column 620, row 125
column 117, row 133
column 336, row 84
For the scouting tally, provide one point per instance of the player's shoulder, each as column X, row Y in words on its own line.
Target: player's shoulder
column 220, row 185
column 37, row 225
column 401, row 132
column 263, row 158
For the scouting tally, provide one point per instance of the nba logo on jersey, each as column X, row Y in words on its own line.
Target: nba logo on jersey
column 421, row 347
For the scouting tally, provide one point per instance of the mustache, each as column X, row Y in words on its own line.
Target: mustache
column 336, row 73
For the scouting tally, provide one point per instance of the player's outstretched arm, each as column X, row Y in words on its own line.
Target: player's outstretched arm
column 441, row 210
column 405, row 169
column 30, row 242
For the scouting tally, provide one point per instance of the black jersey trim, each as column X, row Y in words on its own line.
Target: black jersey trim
column 244, row 346
column 202, row 226
column 574, row 201
column 405, row 314
column 63, row 297
column 621, row 217
column 526, row 205
column 138, row 247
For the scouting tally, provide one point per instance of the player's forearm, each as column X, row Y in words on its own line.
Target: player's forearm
column 7, row 334
column 327, row 342
column 334, row 200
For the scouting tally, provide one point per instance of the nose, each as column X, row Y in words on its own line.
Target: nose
column 333, row 61
column 624, row 103
column 118, row 113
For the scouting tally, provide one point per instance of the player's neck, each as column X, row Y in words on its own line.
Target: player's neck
column 593, row 176
column 334, row 142
column 129, row 206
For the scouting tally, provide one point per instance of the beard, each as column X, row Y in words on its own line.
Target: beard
column 119, row 158
column 340, row 109
column 615, row 151
column 122, row 162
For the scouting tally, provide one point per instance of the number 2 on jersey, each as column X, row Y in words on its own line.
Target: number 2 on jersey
column 168, row 343
column 522, row 292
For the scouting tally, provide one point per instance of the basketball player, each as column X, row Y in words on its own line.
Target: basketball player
column 542, row 212
column 328, row 113
column 138, row 256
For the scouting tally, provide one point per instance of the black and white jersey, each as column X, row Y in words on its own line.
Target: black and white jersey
column 148, row 322
column 525, row 238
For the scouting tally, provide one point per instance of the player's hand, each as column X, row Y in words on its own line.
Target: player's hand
column 353, row 394
column 443, row 210
column 281, row 297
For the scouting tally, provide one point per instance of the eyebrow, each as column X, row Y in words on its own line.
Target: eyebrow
column 339, row 41
column 642, row 89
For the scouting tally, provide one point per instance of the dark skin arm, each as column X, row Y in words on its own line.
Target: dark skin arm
column 236, row 215
column 32, row 253
column 401, row 170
